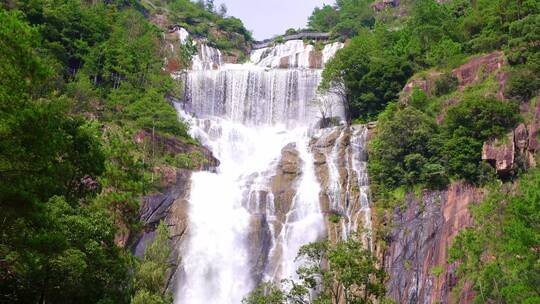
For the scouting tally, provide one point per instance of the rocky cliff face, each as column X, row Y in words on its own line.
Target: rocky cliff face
column 171, row 204
column 423, row 228
column 422, row 231
column 340, row 165
column 519, row 147
column 283, row 187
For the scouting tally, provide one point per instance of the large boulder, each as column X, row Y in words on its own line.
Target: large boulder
column 500, row 153
column 315, row 60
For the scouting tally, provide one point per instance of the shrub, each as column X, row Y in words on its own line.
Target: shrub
column 522, row 85
column 445, row 84
column 401, row 147
column 466, row 127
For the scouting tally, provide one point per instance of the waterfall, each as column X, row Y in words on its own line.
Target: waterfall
column 358, row 161
column 254, row 96
column 248, row 219
column 347, row 184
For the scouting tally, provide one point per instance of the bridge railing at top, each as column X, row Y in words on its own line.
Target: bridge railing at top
column 304, row 35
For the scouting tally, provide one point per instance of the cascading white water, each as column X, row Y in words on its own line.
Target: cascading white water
column 215, row 257
column 351, row 181
column 246, row 114
column 254, row 96
column 304, row 222
column 358, row 159
column 207, row 58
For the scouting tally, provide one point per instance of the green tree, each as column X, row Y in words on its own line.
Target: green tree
column 365, row 81
column 151, row 273
column 402, row 149
column 61, row 254
column 523, row 84
column 345, row 272
column 44, row 151
column 499, row 254
column 266, row 293
column 346, row 19
column 324, row 18
column 466, row 127
column 153, row 112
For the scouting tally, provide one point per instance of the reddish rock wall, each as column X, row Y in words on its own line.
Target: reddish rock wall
column 420, row 237
column 477, row 69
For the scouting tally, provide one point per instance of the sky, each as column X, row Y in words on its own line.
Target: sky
column 267, row 18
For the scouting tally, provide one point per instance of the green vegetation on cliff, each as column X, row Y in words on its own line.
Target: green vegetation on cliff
column 472, row 70
column 379, row 59
column 78, row 81
column 204, row 20
column 346, row 19
column 500, row 255
column 419, row 139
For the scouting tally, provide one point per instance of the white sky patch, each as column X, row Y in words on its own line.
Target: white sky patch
column 267, row 18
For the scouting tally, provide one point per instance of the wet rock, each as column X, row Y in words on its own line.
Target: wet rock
column 170, row 206
column 328, row 139
column 319, row 158
column 315, row 60
column 284, row 181
column 284, row 63
column 283, row 190
column 260, row 241
column 290, row 160
column 500, row 153
column 421, row 235
column 339, row 158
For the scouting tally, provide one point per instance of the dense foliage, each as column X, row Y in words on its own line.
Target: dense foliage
column 204, row 19
column 346, row 18
column 420, row 140
column 151, row 273
column 381, row 56
column 411, row 149
column 51, row 236
column 345, row 272
column 499, row 255
column 77, row 82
